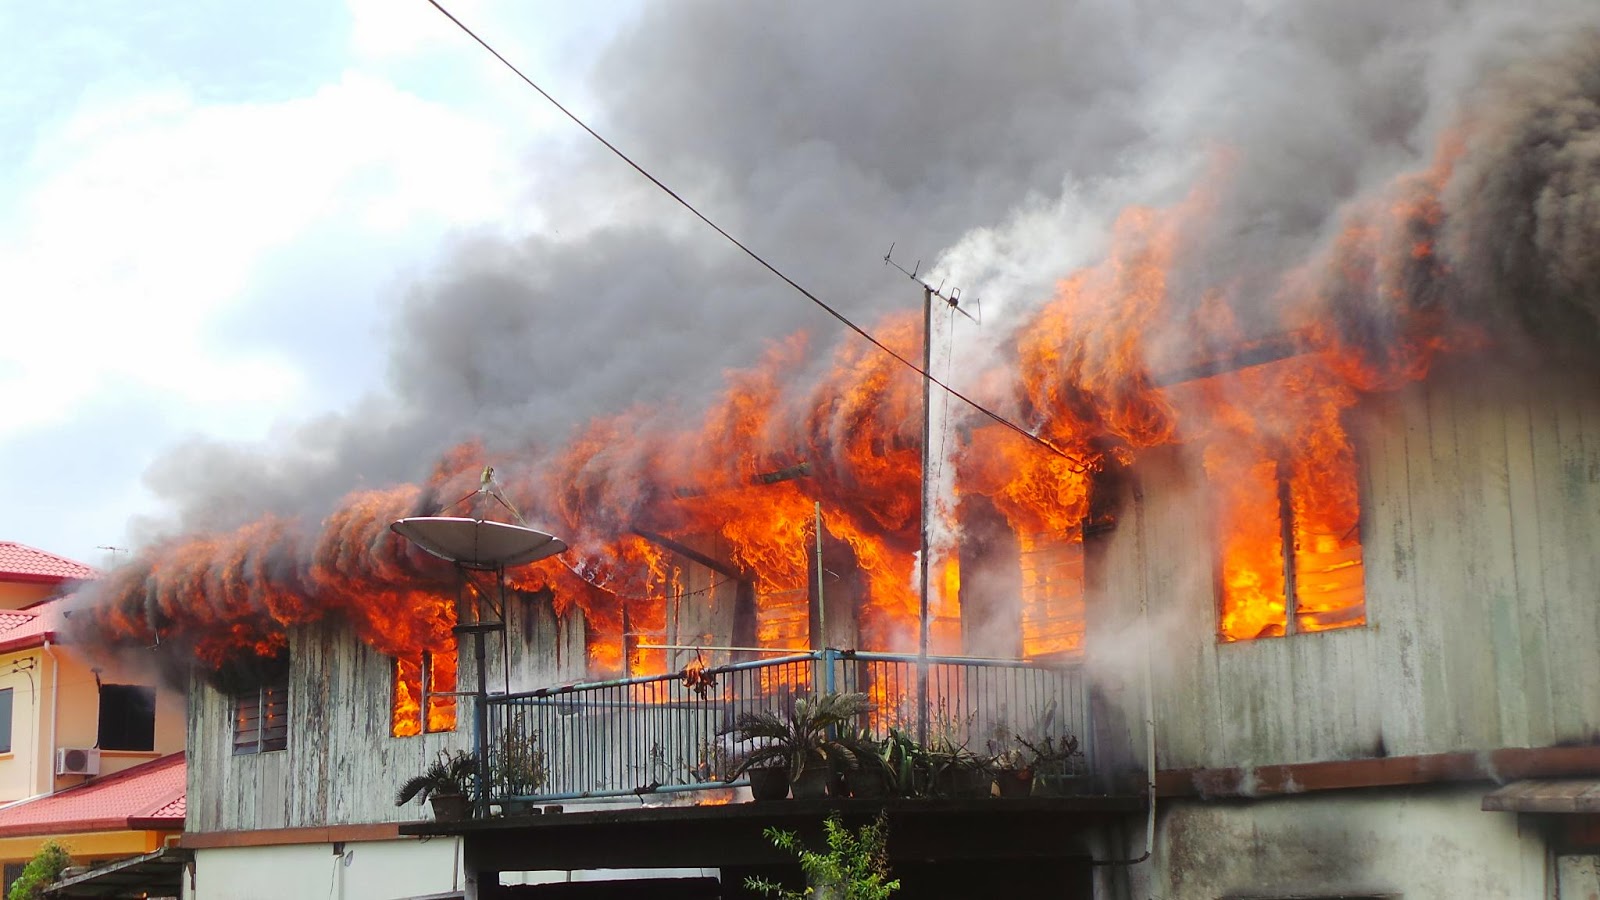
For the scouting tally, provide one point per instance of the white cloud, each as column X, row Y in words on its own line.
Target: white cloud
column 387, row 29
column 149, row 218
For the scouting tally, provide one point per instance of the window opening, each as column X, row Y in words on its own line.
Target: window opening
column 424, row 681
column 1291, row 549
column 5, row 721
column 1052, row 594
column 127, row 717
column 261, row 719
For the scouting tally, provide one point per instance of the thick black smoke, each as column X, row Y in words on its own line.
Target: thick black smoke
column 1524, row 227
column 1007, row 134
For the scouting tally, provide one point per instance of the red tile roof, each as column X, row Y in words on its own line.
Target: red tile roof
column 147, row 796
column 22, row 628
column 19, row 562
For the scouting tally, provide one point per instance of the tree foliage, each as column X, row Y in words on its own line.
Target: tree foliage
column 40, row 872
column 855, row 865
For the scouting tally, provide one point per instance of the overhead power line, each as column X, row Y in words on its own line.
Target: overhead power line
column 759, row 259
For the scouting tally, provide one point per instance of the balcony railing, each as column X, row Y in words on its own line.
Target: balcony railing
column 665, row 733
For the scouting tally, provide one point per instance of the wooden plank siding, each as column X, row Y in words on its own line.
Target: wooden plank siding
column 1481, row 543
column 342, row 766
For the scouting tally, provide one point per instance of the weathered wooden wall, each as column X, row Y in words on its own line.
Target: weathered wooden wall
column 1481, row 540
column 342, row 766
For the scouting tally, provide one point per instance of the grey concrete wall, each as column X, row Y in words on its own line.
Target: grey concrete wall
column 1420, row 844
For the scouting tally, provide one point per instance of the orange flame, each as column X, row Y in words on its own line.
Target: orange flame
column 745, row 479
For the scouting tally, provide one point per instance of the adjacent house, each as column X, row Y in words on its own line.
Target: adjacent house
column 70, row 721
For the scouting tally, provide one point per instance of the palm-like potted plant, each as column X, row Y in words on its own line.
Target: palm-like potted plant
column 446, row 782
column 802, row 742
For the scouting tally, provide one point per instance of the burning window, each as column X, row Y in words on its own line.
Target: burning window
column 1314, row 511
column 127, row 717
column 1052, row 595
column 428, row 680
column 261, row 719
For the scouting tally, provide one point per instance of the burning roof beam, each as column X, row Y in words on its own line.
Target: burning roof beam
column 1256, row 353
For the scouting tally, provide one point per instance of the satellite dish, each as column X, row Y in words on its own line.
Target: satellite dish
column 478, row 543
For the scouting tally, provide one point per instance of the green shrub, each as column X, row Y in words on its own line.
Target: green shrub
column 854, row 867
column 40, row 872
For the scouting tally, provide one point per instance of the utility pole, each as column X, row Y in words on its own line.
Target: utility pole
column 953, row 300
column 922, row 557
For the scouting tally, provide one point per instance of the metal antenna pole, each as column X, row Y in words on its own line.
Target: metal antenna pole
column 822, row 608
column 922, row 567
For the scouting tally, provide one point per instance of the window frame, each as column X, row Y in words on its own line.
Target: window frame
column 7, row 718
column 130, row 691
column 1283, row 474
column 256, row 739
column 425, row 693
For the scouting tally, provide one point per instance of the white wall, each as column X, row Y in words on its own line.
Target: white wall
column 1420, row 844
column 368, row 870
column 1579, row 877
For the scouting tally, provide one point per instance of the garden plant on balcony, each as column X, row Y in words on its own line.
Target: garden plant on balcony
column 802, row 743
column 855, row 865
column 517, row 767
column 1057, row 763
column 446, row 782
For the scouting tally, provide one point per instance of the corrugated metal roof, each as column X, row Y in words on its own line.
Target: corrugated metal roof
column 19, row 562
column 1565, row 795
column 145, row 796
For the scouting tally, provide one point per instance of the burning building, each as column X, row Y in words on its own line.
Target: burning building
column 1322, row 544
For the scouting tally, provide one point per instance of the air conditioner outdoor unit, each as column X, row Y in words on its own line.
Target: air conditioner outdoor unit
column 77, row 761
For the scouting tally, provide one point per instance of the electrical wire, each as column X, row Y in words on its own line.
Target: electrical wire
column 758, row 258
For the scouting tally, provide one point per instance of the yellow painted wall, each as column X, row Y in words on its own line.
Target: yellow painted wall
column 29, row 769
column 23, row 673
column 85, row 846
column 79, row 722
column 17, row 594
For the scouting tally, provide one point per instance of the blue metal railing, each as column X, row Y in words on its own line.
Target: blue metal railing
column 665, row 733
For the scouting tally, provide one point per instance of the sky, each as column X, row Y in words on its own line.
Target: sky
column 205, row 208
column 253, row 258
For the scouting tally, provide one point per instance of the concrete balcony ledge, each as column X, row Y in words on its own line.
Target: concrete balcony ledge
column 717, row 836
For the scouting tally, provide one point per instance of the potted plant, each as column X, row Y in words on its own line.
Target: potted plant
column 905, row 764
column 1013, row 770
column 957, row 771
column 1057, row 764
column 870, row 777
column 801, row 742
column 446, row 782
column 517, row 767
